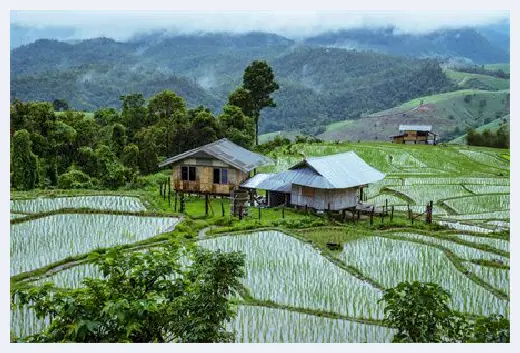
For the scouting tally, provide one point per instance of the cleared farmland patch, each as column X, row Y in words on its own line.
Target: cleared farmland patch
column 117, row 203
column 479, row 204
column 40, row 242
column 269, row 325
column 391, row 261
column 289, row 272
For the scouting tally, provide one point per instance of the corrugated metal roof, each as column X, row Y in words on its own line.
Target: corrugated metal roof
column 339, row 171
column 252, row 183
column 228, row 152
column 343, row 170
column 415, row 127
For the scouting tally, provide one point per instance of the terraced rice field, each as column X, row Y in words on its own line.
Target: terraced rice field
column 464, row 252
column 470, row 188
column 496, row 277
column 268, row 325
column 390, row 261
column 116, row 203
column 298, row 275
column 40, row 242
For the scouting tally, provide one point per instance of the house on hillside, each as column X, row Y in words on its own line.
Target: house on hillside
column 323, row 183
column 217, row 168
column 415, row 134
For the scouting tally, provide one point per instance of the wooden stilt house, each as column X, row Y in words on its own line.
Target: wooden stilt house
column 322, row 183
column 217, row 168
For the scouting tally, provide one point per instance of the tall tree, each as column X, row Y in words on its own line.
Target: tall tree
column 258, row 85
column 238, row 127
column 168, row 110
column 134, row 113
column 24, row 162
column 118, row 139
column 143, row 297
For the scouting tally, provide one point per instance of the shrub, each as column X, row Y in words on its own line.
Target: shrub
column 74, row 179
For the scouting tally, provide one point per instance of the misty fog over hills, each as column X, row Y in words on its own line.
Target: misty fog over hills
column 325, row 77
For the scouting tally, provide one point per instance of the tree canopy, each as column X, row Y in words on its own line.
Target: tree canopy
column 170, row 294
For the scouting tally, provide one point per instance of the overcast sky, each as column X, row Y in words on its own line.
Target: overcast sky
column 122, row 24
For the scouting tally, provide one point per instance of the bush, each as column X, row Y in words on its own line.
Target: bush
column 74, row 179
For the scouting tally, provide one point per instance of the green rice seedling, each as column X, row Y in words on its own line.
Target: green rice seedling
column 456, row 181
column 268, row 325
column 289, row 272
column 462, row 251
column 373, row 189
column 485, row 158
column 391, row 261
column 488, row 189
column 495, row 277
column 421, row 209
column 500, row 224
column 486, row 215
column 500, row 244
column 465, row 227
column 71, row 277
column 17, row 215
column 479, row 204
column 117, row 203
column 42, row 241
column 422, row 194
column 23, row 321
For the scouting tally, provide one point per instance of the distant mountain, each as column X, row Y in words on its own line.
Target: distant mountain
column 467, row 43
column 317, row 85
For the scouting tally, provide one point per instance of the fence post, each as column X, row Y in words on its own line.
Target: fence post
column 222, row 203
column 392, row 214
column 175, row 202
column 372, row 216
column 206, row 208
column 259, row 211
column 164, row 191
column 182, row 204
column 169, row 192
column 283, row 211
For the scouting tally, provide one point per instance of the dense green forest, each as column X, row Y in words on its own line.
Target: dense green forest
column 112, row 148
column 317, row 85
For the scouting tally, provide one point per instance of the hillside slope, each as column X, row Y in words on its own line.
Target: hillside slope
column 446, row 112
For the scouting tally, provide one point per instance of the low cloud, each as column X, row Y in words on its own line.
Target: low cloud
column 124, row 24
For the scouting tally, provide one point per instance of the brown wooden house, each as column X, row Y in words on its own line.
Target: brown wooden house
column 215, row 169
column 415, row 134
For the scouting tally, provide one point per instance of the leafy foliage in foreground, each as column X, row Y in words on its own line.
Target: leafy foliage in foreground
column 421, row 314
column 150, row 296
